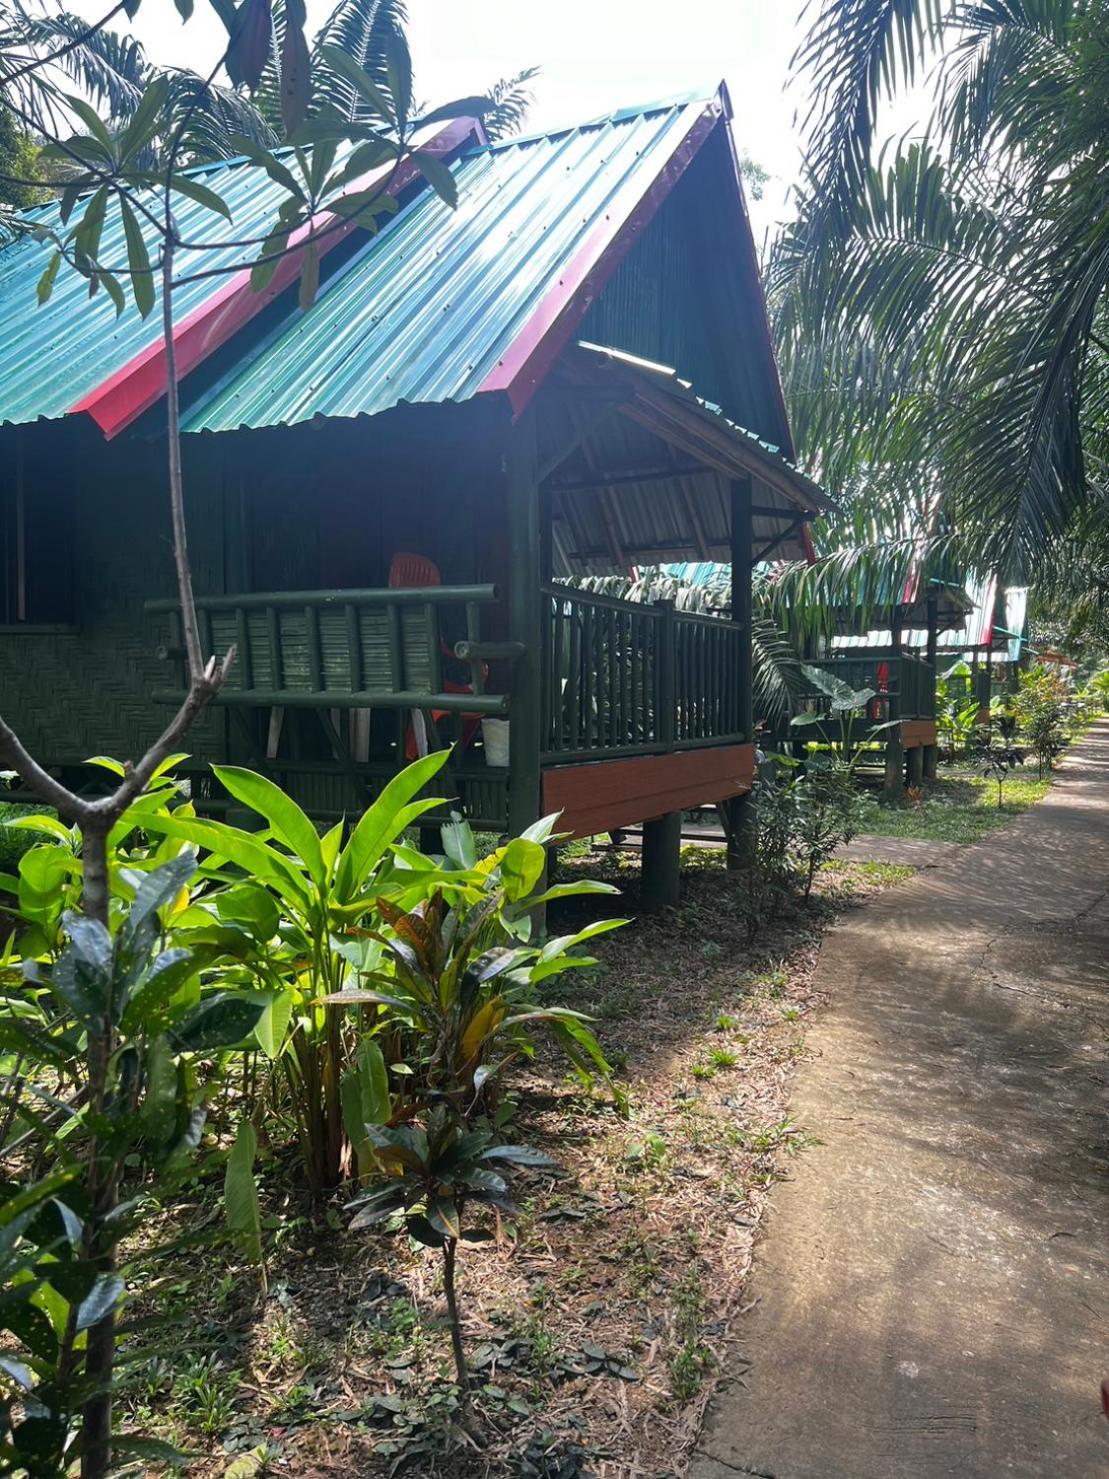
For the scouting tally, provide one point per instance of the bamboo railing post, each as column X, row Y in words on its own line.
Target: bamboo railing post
column 525, row 625
column 667, row 720
column 895, row 753
column 932, row 751
column 740, row 812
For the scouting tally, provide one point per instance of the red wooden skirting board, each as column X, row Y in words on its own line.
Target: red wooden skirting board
column 916, row 732
column 602, row 794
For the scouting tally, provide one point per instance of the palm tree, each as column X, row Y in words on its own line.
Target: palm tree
column 110, row 71
column 941, row 304
column 367, row 31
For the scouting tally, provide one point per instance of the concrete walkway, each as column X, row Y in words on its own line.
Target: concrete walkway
column 913, row 852
column 932, row 1291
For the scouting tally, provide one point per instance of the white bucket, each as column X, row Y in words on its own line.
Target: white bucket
column 494, row 735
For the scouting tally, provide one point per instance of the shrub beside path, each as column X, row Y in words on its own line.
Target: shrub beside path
column 932, row 1293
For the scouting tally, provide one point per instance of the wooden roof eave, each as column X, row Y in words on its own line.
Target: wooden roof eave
column 707, row 439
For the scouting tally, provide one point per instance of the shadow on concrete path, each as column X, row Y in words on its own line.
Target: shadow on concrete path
column 932, row 1293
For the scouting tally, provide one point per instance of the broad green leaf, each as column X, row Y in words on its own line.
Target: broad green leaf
column 240, row 1195
column 220, row 1021
column 295, row 68
column 522, row 865
column 138, row 259
column 183, row 185
column 49, row 825
column 442, row 1213
column 158, row 1111
column 273, row 1025
column 145, row 120
column 287, row 821
column 101, row 1300
column 93, row 122
column 383, row 822
column 45, row 285
column 309, row 276
column 43, row 871
column 262, row 863
column 250, row 43
column 155, row 892
column 439, row 177
column 373, row 1077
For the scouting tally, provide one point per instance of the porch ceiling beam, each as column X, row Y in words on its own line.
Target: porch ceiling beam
column 607, row 512
column 698, row 436
column 618, row 479
column 582, row 430
column 678, row 545
column 692, row 512
column 779, row 538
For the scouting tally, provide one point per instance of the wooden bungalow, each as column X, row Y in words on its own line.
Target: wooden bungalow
column 571, row 372
column 895, row 654
column 991, row 643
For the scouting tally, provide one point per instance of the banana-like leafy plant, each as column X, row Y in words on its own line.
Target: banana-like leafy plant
column 458, row 977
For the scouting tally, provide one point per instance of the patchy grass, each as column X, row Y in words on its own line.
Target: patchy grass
column 959, row 807
column 597, row 1321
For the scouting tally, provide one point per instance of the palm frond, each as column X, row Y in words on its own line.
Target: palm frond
column 511, row 99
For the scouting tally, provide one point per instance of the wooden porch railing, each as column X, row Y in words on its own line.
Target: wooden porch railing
column 908, row 677
column 621, row 678
column 338, row 649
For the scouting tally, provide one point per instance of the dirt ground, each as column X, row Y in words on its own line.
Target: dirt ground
column 598, row 1322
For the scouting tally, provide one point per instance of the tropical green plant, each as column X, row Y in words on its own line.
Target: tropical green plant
column 49, row 56
column 1099, row 686
column 837, row 706
column 295, row 905
column 998, row 759
column 828, row 812
column 431, row 1173
column 373, row 943
column 118, row 1143
column 1038, row 708
column 957, row 710
column 459, row 982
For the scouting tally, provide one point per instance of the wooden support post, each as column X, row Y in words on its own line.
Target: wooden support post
column 741, row 810
column 931, row 757
column 914, row 765
column 524, row 622
column 662, row 856
column 895, row 755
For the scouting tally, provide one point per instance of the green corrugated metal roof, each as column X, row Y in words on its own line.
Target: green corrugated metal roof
column 52, row 355
column 424, row 312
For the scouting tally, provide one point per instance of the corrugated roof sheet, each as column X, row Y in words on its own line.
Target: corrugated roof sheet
column 52, row 355
column 979, row 630
column 424, row 312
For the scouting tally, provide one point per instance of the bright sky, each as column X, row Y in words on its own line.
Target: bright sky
column 595, row 56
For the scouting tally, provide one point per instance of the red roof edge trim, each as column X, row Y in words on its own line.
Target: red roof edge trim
column 526, row 363
column 141, row 383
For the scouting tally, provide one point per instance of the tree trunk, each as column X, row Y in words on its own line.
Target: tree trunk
column 102, row 1182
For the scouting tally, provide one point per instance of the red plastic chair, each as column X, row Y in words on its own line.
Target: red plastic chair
column 408, row 571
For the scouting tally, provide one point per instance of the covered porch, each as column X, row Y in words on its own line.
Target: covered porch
column 898, row 663
column 550, row 697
